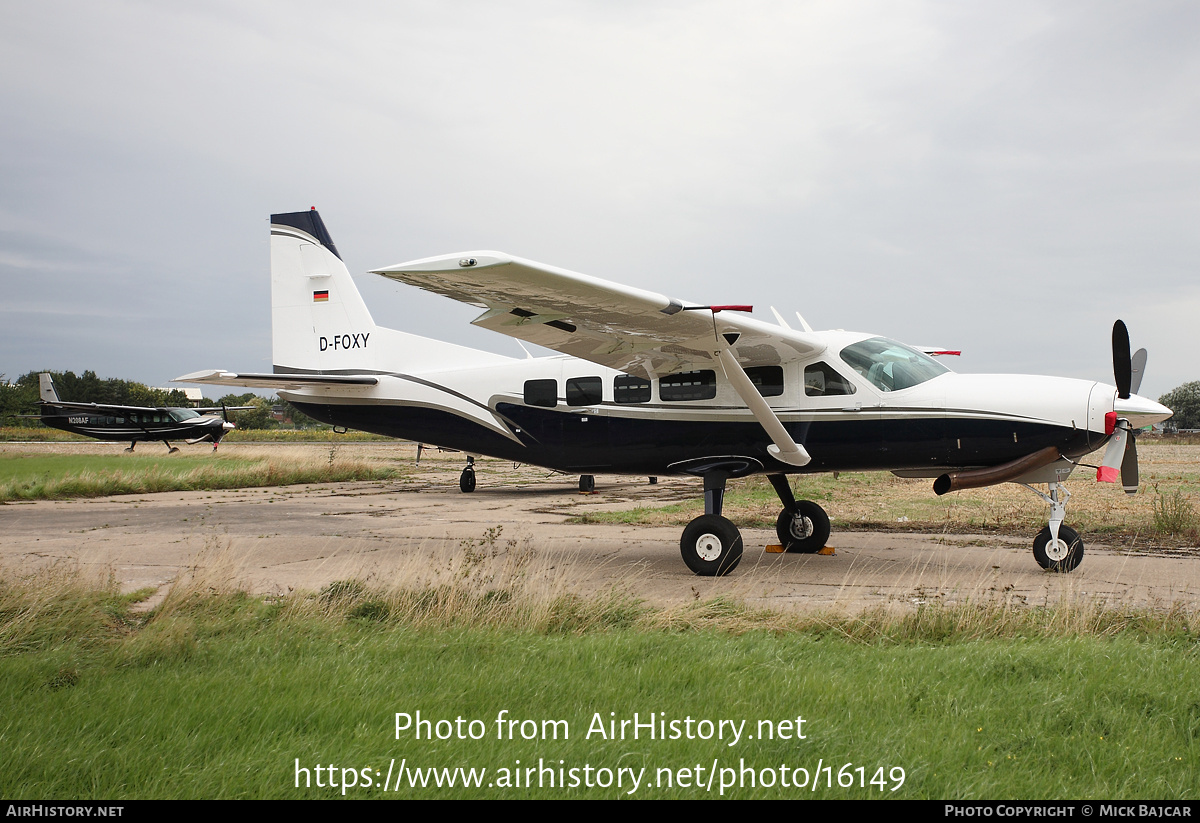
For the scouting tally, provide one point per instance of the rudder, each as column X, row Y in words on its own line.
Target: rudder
column 46, row 388
column 319, row 322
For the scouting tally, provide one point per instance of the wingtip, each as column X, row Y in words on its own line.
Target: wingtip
column 200, row 376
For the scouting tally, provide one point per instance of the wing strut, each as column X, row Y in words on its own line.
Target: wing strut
column 783, row 448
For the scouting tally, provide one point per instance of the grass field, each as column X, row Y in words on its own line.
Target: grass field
column 35, row 476
column 219, row 695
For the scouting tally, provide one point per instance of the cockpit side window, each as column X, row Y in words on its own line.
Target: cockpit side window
column 820, row 380
column 891, row 366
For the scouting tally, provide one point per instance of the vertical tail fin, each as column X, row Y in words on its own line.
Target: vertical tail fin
column 46, row 385
column 319, row 322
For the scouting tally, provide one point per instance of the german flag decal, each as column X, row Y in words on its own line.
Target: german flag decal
column 321, row 296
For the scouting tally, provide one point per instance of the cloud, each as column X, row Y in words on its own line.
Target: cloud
column 991, row 175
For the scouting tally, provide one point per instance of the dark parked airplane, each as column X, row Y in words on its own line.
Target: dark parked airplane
column 132, row 423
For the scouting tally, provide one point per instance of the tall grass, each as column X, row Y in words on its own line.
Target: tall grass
column 504, row 582
column 59, row 605
column 1174, row 514
column 218, row 693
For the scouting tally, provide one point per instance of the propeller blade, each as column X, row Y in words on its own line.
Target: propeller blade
column 1122, row 365
column 1129, row 467
column 225, row 412
column 1138, row 365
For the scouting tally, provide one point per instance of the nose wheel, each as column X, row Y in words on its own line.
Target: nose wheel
column 1058, row 554
column 1057, row 548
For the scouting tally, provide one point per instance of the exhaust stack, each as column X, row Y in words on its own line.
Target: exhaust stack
column 976, row 478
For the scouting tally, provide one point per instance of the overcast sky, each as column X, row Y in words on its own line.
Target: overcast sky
column 1006, row 178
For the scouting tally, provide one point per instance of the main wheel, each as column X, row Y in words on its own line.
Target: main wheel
column 587, row 483
column 711, row 545
column 803, row 530
column 466, row 480
column 1062, row 555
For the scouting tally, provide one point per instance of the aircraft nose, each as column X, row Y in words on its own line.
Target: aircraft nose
column 1141, row 411
column 227, row 426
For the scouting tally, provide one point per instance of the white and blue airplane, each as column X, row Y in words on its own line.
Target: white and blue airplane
column 651, row 385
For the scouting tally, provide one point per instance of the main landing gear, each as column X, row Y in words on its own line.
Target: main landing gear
column 466, row 480
column 1057, row 548
column 803, row 526
column 712, row 546
column 170, row 449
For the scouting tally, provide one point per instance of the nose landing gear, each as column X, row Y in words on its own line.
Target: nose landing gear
column 1057, row 548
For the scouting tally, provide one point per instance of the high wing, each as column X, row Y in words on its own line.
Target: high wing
column 278, row 381
column 103, row 407
column 625, row 328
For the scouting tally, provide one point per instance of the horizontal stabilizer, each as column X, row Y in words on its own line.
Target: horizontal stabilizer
column 216, row 377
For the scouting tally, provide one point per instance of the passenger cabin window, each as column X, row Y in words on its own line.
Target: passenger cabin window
column 541, row 393
column 630, row 389
column 585, row 391
column 688, row 385
column 820, row 380
column 767, row 379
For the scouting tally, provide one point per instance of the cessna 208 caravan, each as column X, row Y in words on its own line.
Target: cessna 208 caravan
column 133, row 423
column 648, row 384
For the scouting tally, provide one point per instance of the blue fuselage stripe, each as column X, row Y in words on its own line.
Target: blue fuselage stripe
column 573, row 442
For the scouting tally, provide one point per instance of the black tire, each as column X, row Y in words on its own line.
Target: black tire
column 587, row 483
column 711, row 546
column 804, row 530
column 1066, row 557
column 466, row 480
